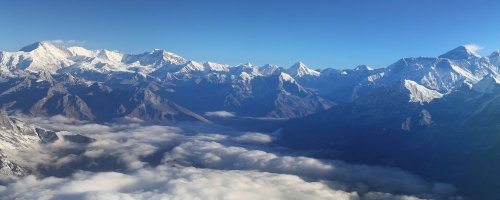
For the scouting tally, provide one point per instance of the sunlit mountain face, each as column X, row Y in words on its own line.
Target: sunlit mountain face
column 101, row 124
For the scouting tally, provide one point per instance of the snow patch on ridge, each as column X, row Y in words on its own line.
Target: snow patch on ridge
column 419, row 93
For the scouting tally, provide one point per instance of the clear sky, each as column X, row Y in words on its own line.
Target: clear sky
column 321, row 33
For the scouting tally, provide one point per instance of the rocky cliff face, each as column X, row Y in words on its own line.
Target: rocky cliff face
column 15, row 137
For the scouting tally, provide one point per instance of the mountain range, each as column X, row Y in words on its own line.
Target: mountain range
column 158, row 85
column 102, row 85
column 412, row 114
column 437, row 117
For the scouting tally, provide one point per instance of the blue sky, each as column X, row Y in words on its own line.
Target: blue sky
column 321, row 33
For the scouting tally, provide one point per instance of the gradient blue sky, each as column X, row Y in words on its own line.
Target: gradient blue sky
column 321, row 33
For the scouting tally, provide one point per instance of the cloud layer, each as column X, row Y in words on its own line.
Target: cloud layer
column 135, row 160
column 165, row 182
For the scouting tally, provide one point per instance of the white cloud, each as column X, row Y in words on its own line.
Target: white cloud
column 221, row 113
column 165, row 182
column 194, row 161
column 214, row 155
column 385, row 196
column 253, row 138
column 66, row 43
column 474, row 48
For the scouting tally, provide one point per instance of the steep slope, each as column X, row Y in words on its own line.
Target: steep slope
column 75, row 98
column 144, row 104
column 268, row 70
column 277, row 96
column 59, row 101
column 300, row 69
column 420, row 93
column 15, row 137
column 460, row 53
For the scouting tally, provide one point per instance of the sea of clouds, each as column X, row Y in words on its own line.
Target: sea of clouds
column 131, row 159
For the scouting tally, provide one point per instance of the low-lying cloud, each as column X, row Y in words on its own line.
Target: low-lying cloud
column 214, row 155
column 253, row 138
column 224, row 114
column 135, row 160
column 164, row 182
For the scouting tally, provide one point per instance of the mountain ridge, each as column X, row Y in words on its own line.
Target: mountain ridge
column 245, row 89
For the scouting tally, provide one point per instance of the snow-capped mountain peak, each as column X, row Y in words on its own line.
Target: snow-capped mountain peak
column 300, row 69
column 37, row 45
column 40, row 56
column 487, row 84
column 494, row 58
column 463, row 52
column 248, row 64
column 216, row 66
column 81, row 52
column 157, row 57
column 269, row 69
column 248, row 68
column 169, row 56
column 111, row 55
column 495, row 54
column 363, row 68
column 45, row 49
